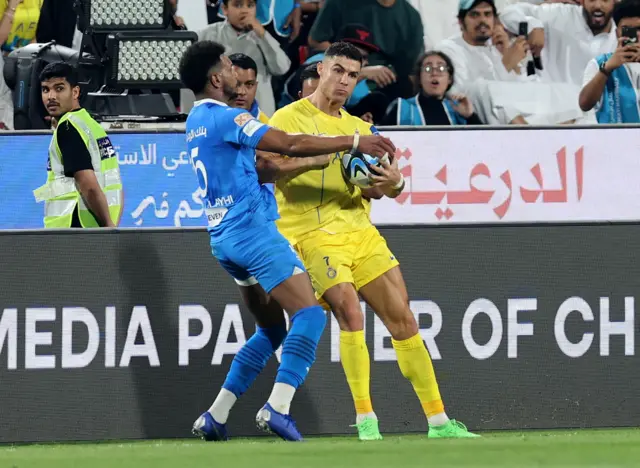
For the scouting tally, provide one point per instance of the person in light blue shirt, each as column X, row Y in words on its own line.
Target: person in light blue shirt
column 612, row 81
column 222, row 143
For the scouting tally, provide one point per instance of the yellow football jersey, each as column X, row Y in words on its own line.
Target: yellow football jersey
column 319, row 199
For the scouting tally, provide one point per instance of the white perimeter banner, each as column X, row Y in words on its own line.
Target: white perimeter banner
column 515, row 176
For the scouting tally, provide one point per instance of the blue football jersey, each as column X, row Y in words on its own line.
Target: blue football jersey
column 270, row 201
column 221, row 142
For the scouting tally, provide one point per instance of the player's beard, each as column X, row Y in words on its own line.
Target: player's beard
column 229, row 92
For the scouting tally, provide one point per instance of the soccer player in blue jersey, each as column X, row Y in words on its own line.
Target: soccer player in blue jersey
column 222, row 143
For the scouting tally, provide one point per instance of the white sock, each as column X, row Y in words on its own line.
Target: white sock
column 281, row 397
column 223, row 404
column 438, row 419
column 363, row 416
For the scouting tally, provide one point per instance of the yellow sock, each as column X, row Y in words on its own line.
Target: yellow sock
column 415, row 364
column 357, row 368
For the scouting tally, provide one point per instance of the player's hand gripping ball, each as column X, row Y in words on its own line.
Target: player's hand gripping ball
column 357, row 167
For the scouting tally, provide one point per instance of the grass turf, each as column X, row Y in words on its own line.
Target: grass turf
column 581, row 448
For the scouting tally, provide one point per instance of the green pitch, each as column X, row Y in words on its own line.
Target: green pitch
column 581, row 448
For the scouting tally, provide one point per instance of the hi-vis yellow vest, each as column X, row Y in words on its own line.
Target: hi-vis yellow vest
column 60, row 193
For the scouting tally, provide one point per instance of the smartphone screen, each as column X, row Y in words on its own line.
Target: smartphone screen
column 523, row 29
column 631, row 34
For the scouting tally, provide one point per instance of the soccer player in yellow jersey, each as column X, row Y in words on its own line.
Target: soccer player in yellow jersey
column 327, row 221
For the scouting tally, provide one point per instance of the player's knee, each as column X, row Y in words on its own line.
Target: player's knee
column 402, row 326
column 275, row 334
column 310, row 322
column 348, row 314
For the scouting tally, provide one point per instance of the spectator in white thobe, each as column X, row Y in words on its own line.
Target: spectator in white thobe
column 494, row 77
column 473, row 53
column 440, row 18
column 569, row 35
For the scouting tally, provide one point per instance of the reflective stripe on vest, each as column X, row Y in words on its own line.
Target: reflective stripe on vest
column 66, row 207
column 60, row 192
column 67, row 185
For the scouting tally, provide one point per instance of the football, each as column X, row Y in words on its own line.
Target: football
column 356, row 168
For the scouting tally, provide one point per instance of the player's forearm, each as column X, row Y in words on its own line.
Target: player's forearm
column 272, row 167
column 292, row 167
column 309, row 145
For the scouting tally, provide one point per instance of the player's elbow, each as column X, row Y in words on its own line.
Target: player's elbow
column 292, row 145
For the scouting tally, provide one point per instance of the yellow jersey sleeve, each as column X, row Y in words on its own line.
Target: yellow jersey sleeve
column 319, row 199
column 262, row 117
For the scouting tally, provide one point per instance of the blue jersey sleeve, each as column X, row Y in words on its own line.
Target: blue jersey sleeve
column 239, row 127
column 374, row 130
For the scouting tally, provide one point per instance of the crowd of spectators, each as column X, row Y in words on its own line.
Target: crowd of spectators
column 427, row 62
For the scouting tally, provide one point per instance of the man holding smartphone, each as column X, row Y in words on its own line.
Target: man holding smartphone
column 564, row 36
column 612, row 81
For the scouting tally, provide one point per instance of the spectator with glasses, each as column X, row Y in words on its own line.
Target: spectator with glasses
column 433, row 105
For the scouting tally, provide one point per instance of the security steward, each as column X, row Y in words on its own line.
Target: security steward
column 83, row 188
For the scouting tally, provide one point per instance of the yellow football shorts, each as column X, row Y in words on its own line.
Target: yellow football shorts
column 354, row 257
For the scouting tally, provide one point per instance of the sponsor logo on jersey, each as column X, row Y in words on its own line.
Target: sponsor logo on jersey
column 200, row 131
column 242, row 119
column 252, row 127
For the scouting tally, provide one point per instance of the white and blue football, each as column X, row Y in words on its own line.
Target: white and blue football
column 356, row 168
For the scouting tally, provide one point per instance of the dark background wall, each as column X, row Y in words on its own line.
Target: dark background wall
column 490, row 377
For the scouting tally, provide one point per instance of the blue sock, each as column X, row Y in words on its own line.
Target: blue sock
column 253, row 357
column 299, row 349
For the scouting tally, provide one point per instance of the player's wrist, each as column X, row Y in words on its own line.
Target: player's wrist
column 356, row 142
column 400, row 185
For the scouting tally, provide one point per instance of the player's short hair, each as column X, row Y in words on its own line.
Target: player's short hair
column 196, row 64
column 310, row 72
column 60, row 70
column 344, row 49
column 626, row 9
column 244, row 61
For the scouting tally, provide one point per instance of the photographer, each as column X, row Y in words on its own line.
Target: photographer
column 612, row 81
